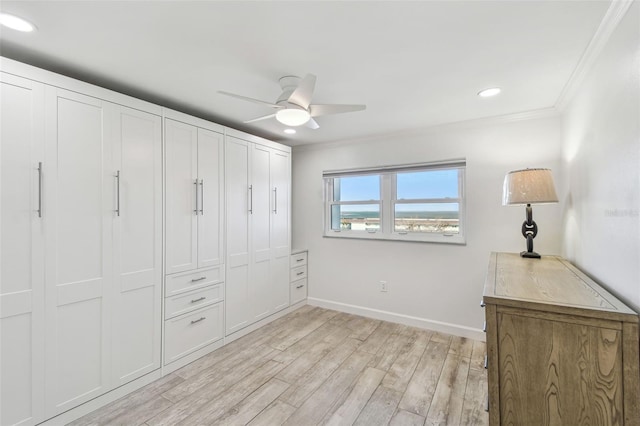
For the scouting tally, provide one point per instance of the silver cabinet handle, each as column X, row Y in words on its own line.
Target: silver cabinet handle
column 202, row 197
column 117, row 176
column 482, row 305
column 300, row 286
column 198, row 279
column 198, row 320
column 195, row 183
column 484, row 327
column 199, row 299
column 40, row 189
column 275, row 200
column 299, row 260
column 486, row 362
column 251, row 199
column 300, row 273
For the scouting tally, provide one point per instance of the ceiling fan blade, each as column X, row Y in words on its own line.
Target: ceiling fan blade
column 264, row 117
column 312, row 124
column 318, row 110
column 303, row 93
column 255, row 101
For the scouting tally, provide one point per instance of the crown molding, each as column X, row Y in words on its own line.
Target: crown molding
column 436, row 128
column 617, row 10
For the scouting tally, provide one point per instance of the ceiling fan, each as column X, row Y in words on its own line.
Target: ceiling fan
column 293, row 107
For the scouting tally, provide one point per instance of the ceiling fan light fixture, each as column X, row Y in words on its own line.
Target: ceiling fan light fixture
column 293, row 116
column 16, row 23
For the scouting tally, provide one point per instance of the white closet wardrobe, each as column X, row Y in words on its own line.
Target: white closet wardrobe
column 81, row 231
column 134, row 239
column 258, row 229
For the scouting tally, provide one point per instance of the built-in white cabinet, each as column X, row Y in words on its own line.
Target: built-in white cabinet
column 194, row 284
column 194, row 182
column 22, row 278
column 258, row 230
column 298, row 276
column 81, row 214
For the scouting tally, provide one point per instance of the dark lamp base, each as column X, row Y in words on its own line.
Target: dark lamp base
column 530, row 254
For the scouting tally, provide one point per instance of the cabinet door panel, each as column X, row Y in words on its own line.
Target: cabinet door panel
column 211, row 177
column 238, row 203
column 21, row 251
column 137, row 244
column 261, row 294
column 181, row 175
column 573, row 374
column 80, row 204
column 280, row 223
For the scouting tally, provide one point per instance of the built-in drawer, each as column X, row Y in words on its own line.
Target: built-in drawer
column 298, row 291
column 190, row 332
column 185, row 302
column 299, row 259
column 179, row 283
column 298, row 273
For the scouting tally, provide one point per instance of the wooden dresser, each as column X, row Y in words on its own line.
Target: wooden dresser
column 561, row 349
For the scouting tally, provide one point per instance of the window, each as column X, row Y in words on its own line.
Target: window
column 418, row 202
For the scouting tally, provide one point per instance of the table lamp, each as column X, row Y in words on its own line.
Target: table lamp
column 526, row 187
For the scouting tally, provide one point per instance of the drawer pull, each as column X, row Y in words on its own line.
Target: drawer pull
column 300, row 273
column 482, row 305
column 198, row 279
column 486, row 362
column 199, row 299
column 300, row 286
column 198, row 320
column 300, row 260
column 484, row 326
column 486, row 404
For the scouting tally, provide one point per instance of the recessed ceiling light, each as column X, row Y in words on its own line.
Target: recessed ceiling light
column 16, row 23
column 486, row 93
column 290, row 131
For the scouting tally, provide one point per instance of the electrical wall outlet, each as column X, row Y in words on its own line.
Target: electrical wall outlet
column 383, row 286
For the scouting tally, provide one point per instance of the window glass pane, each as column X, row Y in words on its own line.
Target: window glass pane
column 429, row 184
column 356, row 188
column 442, row 218
column 360, row 217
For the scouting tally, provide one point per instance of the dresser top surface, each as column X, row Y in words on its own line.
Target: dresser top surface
column 550, row 281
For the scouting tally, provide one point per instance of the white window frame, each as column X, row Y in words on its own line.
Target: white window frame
column 388, row 200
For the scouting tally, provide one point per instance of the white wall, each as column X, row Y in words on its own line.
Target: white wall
column 601, row 160
column 437, row 283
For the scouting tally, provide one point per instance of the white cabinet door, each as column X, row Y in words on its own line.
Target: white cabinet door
column 137, row 148
column 280, row 225
column 80, row 203
column 21, row 251
column 238, row 206
column 211, row 185
column 181, row 186
column 260, row 282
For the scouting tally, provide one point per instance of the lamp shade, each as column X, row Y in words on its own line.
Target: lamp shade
column 529, row 186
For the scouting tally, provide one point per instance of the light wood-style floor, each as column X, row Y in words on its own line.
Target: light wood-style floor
column 317, row 366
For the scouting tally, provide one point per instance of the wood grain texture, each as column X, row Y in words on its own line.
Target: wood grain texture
column 573, row 375
column 561, row 349
column 553, row 283
column 333, row 374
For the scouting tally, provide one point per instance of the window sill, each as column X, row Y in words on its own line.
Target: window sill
column 413, row 237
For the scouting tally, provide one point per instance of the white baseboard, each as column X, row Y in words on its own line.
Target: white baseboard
column 102, row 400
column 442, row 327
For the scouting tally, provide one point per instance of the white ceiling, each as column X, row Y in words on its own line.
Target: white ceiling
column 414, row 64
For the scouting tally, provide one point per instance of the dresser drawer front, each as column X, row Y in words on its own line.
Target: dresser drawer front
column 185, row 302
column 298, row 291
column 179, row 283
column 298, row 259
column 190, row 332
column 298, row 273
